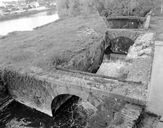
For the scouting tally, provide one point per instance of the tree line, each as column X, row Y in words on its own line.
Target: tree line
column 106, row 7
column 40, row 1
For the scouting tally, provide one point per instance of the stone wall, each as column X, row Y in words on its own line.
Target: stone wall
column 37, row 90
column 137, row 65
column 125, row 22
column 115, row 33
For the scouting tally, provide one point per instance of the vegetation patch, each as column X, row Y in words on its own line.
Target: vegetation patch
column 106, row 7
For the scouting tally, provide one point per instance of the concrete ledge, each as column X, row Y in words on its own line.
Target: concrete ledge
column 148, row 20
column 155, row 99
column 142, row 19
column 158, row 43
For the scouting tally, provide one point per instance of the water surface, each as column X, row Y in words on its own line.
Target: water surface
column 27, row 23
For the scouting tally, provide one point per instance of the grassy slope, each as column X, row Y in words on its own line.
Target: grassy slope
column 52, row 44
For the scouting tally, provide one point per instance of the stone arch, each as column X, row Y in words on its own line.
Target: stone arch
column 89, row 100
column 65, row 99
column 86, row 93
column 60, row 100
column 71, row 90
column 72, row 108
column 115, row 33
column 119, row 45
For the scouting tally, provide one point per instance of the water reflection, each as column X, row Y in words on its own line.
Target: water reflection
column 27, row 23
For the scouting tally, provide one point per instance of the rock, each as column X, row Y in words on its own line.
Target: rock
column 145, row 39
column 142, row 46
column 91, row 110
column 147, row 51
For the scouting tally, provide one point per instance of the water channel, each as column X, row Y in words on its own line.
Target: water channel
column 27, row 23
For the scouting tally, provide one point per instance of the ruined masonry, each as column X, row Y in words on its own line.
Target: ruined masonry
column 82, row 66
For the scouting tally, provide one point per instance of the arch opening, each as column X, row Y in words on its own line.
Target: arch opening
column 117, row 48
column 61, row 100
column 67, row 110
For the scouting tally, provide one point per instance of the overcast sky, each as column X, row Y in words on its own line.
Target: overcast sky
column 8, row 0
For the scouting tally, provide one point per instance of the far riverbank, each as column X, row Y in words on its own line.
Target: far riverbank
column 26, row 13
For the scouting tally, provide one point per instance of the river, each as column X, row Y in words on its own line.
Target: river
column 27, row 23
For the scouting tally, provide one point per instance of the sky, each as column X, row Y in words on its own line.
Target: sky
column 7, row 0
